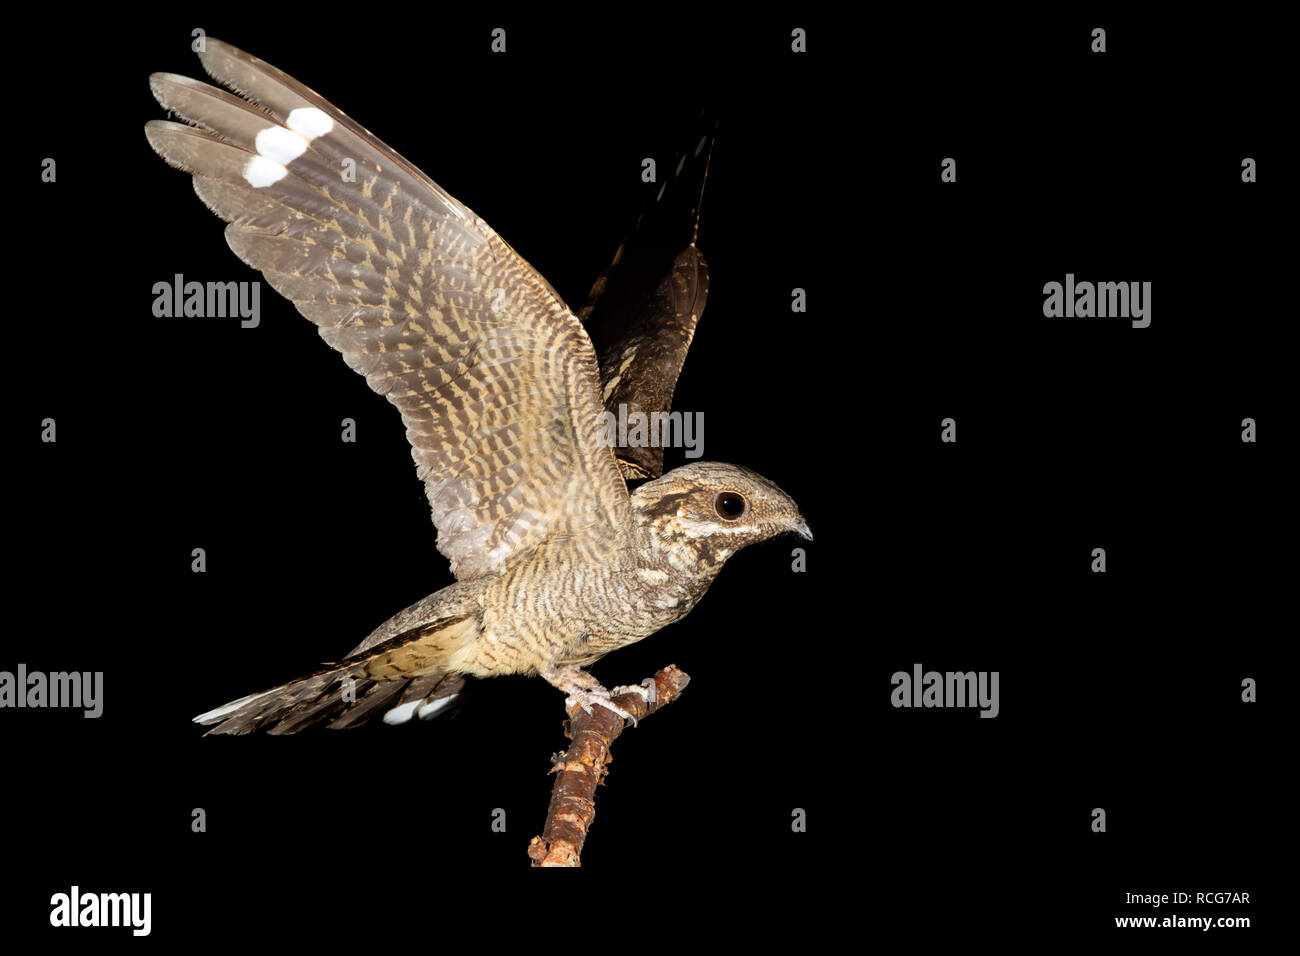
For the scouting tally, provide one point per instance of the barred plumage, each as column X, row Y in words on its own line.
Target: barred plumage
column 500, row 390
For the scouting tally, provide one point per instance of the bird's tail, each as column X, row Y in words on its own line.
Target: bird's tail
column 398, row 678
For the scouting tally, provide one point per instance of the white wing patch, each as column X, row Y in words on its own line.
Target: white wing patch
column 280, row 144
column 260, row 172
column 310, row 122
column 277, row 147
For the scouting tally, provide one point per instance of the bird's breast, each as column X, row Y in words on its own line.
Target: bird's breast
column 572, row 612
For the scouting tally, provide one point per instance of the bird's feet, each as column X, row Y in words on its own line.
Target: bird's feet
column 647, row 689
column 586, row 699
column 585, row 691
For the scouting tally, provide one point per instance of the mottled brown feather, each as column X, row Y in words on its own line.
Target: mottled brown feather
column 494, row 377
column 643, row 309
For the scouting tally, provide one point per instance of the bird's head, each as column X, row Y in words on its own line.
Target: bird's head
column 707, row 511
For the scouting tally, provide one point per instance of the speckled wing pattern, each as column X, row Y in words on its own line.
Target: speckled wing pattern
column 495, row 378
column 642, row 311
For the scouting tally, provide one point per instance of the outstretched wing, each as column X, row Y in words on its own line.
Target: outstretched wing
column 496, row 380
column 642, row 310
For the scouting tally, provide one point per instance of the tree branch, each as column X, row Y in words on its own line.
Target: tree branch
column 584, row 765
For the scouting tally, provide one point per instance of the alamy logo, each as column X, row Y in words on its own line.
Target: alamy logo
column 75, row 689
column 1101, row 300
column 948, row 689
column 102, row 909
column 213, row 300
column 656, row 430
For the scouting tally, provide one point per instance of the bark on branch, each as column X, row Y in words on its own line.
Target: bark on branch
column 584, row 765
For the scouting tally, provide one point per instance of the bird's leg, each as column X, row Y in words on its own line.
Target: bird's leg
column 583, row 689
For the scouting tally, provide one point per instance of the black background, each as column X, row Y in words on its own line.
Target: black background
column 1119, row 691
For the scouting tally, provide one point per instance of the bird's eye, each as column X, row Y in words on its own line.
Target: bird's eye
column 730, row 505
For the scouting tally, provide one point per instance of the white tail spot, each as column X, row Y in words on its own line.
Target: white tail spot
column 229, row 708
column 434, row 706
column 402, row 713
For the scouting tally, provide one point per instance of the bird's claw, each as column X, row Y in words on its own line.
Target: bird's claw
column 584, row 690
column 648, row 690
column 585, row 700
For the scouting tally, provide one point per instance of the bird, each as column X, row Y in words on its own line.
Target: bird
column 557, row 560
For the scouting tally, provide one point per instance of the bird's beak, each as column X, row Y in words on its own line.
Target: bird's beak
column 800, row 526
